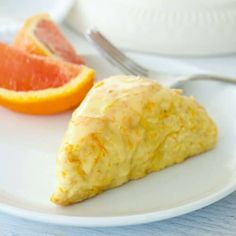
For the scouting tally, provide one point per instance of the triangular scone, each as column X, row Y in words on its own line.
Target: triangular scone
column 126, row 128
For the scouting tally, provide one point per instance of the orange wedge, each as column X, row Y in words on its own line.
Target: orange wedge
column 39, row 35
column 39, row 85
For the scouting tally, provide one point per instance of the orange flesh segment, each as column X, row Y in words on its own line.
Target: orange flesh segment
column 51, row 37
column 21, row 71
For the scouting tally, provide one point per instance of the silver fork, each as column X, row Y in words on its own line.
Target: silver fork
column 128, row 66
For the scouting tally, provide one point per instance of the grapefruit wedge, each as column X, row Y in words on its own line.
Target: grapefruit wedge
column 40, row 85
column 39, row 35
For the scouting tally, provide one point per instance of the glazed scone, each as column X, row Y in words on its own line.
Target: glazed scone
column 126, row 128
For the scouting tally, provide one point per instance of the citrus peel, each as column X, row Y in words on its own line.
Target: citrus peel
column 50, row 86
column 40, row 35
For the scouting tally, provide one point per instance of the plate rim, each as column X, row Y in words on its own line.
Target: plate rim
column 113, row 221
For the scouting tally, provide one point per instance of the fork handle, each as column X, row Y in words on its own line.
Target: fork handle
column 168, row 80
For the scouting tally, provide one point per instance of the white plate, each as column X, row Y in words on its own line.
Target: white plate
column 28, row 146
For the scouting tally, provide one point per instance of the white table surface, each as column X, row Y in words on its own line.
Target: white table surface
column 217, row 219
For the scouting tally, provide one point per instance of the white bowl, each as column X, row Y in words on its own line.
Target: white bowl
column 177, row 27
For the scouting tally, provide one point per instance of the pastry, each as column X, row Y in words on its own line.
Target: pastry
column 125, row 128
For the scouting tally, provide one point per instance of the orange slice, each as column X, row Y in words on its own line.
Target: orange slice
column 39, row 85
column 39, row 35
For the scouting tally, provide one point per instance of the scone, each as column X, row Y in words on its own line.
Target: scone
column 126, row 128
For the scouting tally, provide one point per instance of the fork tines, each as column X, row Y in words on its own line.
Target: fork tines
column 114, row 55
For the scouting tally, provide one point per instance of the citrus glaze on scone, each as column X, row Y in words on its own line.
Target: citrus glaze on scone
column 126, row 128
